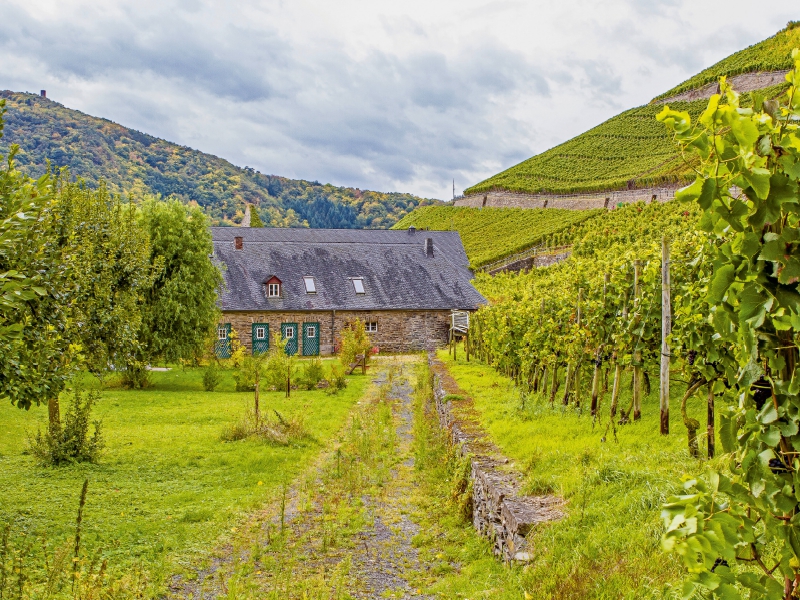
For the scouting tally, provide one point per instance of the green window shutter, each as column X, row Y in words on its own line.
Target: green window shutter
column 222, row 348
column 260, row 338
column 290, row 333
column 310, row 339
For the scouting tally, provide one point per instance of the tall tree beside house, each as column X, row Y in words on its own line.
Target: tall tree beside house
column 110, row 270
column 179, row 310
column 35, row 352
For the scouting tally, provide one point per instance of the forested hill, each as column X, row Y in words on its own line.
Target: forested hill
column 135, row 163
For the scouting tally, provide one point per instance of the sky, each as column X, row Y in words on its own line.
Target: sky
column 390, row 96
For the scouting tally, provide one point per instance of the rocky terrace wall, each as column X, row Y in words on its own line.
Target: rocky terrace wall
column 500, row 511
column 589, row 200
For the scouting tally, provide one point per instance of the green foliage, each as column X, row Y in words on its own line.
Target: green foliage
column 179, row 309
column 255, row 220
column 771, row 54
column 313, row 372
column 489, row 234
column 137, row 164
column 211, row 376
column 354, row 341
column 738, row 532
column 107, row 256
column 338, row 379
column 35, row 353
column 70, row 442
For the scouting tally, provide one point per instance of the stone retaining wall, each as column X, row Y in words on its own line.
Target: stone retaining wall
column 500, row 512
column 746, row 82
column 526, row 264
column 589, row 200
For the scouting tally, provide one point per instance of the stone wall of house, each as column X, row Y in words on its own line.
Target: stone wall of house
column 584, row 201
column 398, row 330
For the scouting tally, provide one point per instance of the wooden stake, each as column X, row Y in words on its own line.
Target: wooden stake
column 637, row 355
column 666, row 328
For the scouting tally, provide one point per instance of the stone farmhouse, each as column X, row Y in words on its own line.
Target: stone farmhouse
column 309, row 284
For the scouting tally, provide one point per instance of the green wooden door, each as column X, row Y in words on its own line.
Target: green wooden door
column 260, row 338
column 289, row 335
column 223, row 346
column 310, row 339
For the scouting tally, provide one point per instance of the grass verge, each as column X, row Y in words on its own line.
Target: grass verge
column 608, row 546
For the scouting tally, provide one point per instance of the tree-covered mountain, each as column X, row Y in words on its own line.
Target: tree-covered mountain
column 134, row 163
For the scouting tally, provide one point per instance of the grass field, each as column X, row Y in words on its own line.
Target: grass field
column 167, row 491
column 608, row 546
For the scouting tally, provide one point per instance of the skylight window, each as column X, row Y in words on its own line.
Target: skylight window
column 358, row 285
column 311, row 288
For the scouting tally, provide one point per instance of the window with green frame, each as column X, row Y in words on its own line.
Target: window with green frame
column 260, row 338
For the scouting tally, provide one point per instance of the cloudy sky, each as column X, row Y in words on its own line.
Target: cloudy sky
column 392, row 96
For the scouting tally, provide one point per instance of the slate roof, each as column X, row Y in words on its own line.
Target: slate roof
column 396, row 272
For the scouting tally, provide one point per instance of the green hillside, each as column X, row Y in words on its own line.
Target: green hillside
column 136, row 163
column 632, row 149
column 489, row 234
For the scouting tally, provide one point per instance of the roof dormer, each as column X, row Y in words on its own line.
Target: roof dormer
column 273, row 287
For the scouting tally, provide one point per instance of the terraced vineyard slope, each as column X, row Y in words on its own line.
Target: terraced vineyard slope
column 136, row 163
column 632, row 150
column 490, row 234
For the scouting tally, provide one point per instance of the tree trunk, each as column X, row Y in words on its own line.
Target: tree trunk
column 54, row 417
column 710, row 424
column 692, row 425
column 256, row 407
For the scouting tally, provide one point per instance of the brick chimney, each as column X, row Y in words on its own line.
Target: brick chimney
column 237, row 242
column 43, row 93
column 429, row 247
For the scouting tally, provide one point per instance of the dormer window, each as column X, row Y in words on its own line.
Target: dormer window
column 358, row 285
column 273, row 285
column 311, row 288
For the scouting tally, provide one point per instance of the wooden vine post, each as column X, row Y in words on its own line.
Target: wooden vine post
column 666, row 329
column 598, row 358
column 710, row 429
column 615, row 389
column 637, row 354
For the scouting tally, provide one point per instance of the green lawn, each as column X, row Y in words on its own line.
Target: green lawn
column 167, row 491
column 608, row 546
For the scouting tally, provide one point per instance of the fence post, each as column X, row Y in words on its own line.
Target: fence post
column 666, row 328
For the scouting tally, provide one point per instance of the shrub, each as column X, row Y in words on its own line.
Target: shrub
column 355, row 341
column 136, row 377
column 338, row 381
column 69, row 442
column 211, row 376
column 312, row 374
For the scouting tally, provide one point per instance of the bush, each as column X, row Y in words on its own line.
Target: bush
column 69, row 442
column 211, row 376
column 355, row 341
column 338, row 381
column 312, row 374
column 135, row 377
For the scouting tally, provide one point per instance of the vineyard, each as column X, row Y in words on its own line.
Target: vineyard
column 492, row 233
column 724, row 257
column 632, row 149
column 772, row 54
